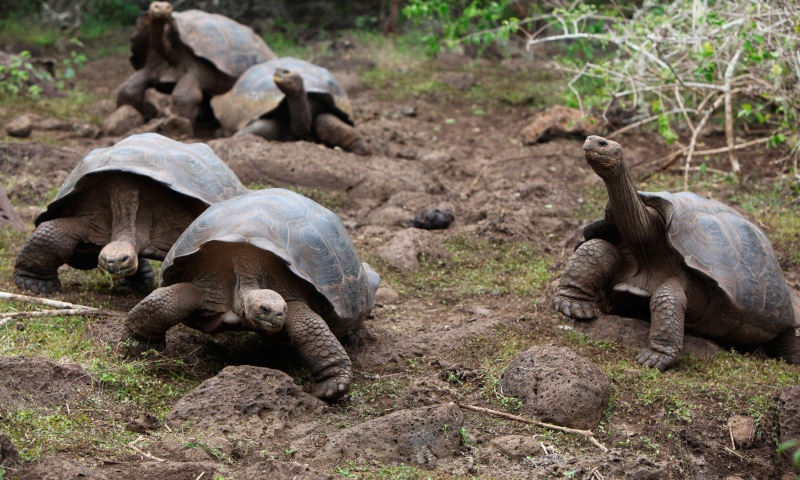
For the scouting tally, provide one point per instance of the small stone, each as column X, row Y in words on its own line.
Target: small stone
column 386, row 296
column 743, row 430
column 20, row 127
column 123, row 120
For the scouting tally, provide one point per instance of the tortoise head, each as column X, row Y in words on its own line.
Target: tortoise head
column 265, row 310
column 603, row 155
column 119, row 259
column 160, row 10
column 290, row 82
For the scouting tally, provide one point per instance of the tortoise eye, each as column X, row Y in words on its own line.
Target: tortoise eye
column 603, row 143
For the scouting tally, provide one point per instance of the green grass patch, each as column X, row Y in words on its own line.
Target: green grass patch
column 478, row 267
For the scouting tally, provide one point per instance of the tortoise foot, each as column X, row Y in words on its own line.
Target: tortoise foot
column 134, row 346
column 333, row 385
column 34, row 284
column 653, row 359
column 575, row 308
column 144, row 278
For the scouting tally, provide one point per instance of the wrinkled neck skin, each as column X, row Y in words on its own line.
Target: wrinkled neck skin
column 639, row 225
column 248, row 277
column 163, row 37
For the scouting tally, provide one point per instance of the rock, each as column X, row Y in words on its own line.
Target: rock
column 556, row 385
column 252, row 402
column 789, row 415
column 386, row 296
column 8, row 214
column 9, row 456
column 420, row 436
column 558, row 121
column 122, row 120
column 437, row 219
column 156, row 104
column 20, row 127
column 517, row 447
column 743, row 430
column 457, row 80
column 405, row 250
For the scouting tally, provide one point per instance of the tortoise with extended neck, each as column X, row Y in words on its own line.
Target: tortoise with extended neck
column 268, row 261
column 189, row 54
column 704, row 268
column 122, row 205
column 290, row 99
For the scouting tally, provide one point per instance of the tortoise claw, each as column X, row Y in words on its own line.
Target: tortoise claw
column 334, row 385
column 36, row 285
column 134, row 346
column 579, row 310
column 652, row 359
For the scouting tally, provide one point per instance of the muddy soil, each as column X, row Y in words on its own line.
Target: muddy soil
column 429, row 151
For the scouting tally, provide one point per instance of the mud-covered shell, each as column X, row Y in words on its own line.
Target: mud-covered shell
column 229, row 45
column 193, row 170
column 717, row 242
column 311, row 239
column 255, row 94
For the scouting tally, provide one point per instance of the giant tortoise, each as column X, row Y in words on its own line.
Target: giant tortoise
column 120, row 203
column 700, row 265
column 190, row 54
column 290, row 99
column 268, row 261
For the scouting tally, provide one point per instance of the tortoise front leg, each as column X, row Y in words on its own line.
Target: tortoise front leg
column 147, row 323
column 50, row 246
column 186, row 97
column 584, row 283
column 131, row 92
column 667, row 315
column 334, row 132
column 320, row 350
column 785, row 346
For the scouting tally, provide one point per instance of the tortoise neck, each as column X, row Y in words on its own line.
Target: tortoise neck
column 637, row 224
column 164, row 37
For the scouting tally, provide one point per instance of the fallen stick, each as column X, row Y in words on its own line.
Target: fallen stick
column 136, row 449
column 42, row 301
column 9, row 317
column 586, row 433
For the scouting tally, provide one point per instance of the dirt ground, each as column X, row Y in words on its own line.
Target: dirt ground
column 429, row 151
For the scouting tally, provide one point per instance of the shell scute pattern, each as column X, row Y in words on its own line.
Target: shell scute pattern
column 724, row 246
column 310, row 238
column 229, row 45
column 193, row 170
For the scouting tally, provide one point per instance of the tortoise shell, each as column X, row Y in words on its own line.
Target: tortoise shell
column 192, row 170
column 255, row 94
column 311, row 239
column 728, row 250
column 229, row 45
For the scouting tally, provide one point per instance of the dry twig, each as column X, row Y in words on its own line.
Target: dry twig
column 586, row 433
column 136, row 449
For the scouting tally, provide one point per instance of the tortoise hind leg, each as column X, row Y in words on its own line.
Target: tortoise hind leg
column 147, row 323
column 785, row 346
column 50, row 246
column 320, row 350
column 334, row 132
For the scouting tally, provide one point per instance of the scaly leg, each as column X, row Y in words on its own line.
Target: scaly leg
column 147, row 323
column 334, row 132
column 582, row 288
column 50, row 246
column 186, row 97
column 667, row 314
column 320, row 350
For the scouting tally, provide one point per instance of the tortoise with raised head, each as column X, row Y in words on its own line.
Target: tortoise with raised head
column 122, row 205
column 190, row 54
column 701, row 266
column 268, row 261
column 290, row 99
